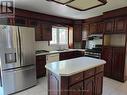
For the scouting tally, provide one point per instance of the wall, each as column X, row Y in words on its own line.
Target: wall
column 44, row 45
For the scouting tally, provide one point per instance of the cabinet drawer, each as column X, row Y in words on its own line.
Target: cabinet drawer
column 75, row 78
column 89, row 73
column 99, row 69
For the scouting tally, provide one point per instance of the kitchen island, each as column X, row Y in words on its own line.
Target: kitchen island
column 78, row 76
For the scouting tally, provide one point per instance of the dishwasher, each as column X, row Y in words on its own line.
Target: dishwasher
column 52, row 58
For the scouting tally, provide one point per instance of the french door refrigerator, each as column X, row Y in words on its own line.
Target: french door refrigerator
column 17, row 58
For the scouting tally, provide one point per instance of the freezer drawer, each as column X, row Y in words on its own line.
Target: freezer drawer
column 19, row 79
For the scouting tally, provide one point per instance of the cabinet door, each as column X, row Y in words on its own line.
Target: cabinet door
column 40, row 66
column 85, row 31
column 93, row 28
column 98, row 84
column 100, row 27
column 109, row 26
column 76, row 89
column 46, row 31
column 89, row 85
column 107, row 56
column 118, row 65
column 20, row 21
column 77, row 32
column 120, row 25
column 38, row 31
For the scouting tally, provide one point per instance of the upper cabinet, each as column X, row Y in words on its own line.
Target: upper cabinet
column 77, row 31
column 43, row 30
column 93, row 28
column 120, row 24
column 116, row 25
column 46, row 31
column 20, row 21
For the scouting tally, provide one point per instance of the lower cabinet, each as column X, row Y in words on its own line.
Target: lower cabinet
column 40, row 66
column 77, row 84
column 89, row 86
column 115, row 62
column 76, row 89
column 71, row 54
column 98, row 84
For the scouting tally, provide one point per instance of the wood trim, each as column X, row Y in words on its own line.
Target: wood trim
column 43, row 17
column 103, row 1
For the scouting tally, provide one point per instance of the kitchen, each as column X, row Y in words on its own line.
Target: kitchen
column 39, row 44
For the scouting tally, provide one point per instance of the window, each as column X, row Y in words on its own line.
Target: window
column 59, row 36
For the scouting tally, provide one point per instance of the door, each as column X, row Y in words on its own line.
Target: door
column 27, row 43
column 76, row 89
column 107, row 56
column 118, row 63
column 89, row 85
column 9, row 50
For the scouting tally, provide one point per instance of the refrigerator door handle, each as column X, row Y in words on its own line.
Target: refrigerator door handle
column 18, row 48
column 19, row 45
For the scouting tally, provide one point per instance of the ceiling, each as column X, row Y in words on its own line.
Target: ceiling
column 56, row 9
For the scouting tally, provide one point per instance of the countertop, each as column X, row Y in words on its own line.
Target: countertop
column 73, row 66
column 55, row 52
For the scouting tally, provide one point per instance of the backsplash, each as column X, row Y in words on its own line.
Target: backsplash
column 44, row 45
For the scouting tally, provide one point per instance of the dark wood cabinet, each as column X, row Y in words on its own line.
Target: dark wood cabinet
column 20, row 21
column 43, row 30
column 98, row 84
column 37, row 25
column 66, row 55
column 107, row 56
column 115, row 62
column 40, row 66
column 71, row 54
column 116, row 25
column 118, row 63
column 89, row 86
column 77, row 84
column 77, row 28
column 109, row 26
column 120, row 25
column 76, row 89
column 93, row 28
column 46, row 31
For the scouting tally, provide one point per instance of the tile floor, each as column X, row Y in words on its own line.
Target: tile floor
column 111, row 87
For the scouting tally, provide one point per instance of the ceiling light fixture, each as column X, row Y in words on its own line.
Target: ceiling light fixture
column 81, row 5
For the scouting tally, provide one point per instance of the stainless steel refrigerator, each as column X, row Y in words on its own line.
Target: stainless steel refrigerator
column 17, row 58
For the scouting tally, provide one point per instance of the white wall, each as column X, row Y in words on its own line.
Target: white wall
column 44, row 45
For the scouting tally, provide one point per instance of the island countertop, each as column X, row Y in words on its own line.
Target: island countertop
column 73, row 66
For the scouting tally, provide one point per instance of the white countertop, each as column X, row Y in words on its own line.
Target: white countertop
column 54, row 52
column 73, row 66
